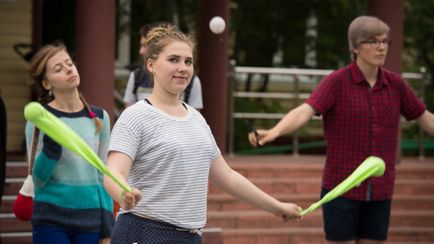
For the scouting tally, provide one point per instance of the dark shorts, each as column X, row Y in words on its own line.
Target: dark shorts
column 346, row 219
column 130, row 228
column 58, row 235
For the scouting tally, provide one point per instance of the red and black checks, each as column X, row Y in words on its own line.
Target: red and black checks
column 360, row 121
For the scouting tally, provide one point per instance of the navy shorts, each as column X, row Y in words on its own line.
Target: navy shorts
column 58, row 235
column 346, row 220
column 130, row 228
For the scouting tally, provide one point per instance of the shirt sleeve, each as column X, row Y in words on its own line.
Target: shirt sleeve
column 129, row 96
column 124, row 138
column 411, row 106
column 323, row 96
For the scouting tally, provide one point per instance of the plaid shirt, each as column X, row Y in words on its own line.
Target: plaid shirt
column 360, row 121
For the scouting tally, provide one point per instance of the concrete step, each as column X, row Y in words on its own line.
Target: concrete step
column 267, row 236
column 313, row 185
column 10, row 224
column 275, row 235
column 287, row 178
column 16, row 169
column 316, row 235
column 210, row 236
column 13, row 185
column 224, row 201
column 15, row 238
column 6, row 206
column 261, row 219
column 261, row 166
column 297, row 170
column 280, row 186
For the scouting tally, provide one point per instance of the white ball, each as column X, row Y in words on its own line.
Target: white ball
column 217, row 24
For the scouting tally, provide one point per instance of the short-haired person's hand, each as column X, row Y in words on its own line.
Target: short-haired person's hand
column 261, row 137
column 289, row 211
column 130, row 199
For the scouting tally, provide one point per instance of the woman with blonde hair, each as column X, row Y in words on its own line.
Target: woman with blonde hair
column 164, row 149
column 70, row 202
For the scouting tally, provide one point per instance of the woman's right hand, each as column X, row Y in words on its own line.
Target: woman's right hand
column 289, row 211
column 130, row 199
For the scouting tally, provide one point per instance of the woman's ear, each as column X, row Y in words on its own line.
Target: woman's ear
column 150, row 65
column 46, row 84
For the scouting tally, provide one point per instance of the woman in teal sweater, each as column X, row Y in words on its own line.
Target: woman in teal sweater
column 70, row 203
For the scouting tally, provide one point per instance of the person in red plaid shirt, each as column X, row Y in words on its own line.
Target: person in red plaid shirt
column 361, row 105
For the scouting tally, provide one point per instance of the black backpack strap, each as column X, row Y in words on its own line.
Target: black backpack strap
column 140, row 76
column 187, row 90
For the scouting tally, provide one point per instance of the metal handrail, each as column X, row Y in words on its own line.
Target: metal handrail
column 309, row 72
column 295, row 72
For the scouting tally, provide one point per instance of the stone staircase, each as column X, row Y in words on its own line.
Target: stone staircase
column 13, row 230
column 298, row 180
column 294, row 179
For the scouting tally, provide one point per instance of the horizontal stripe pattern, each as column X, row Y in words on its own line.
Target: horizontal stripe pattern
column 171, row 162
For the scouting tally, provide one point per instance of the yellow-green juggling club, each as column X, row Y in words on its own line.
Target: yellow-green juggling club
column 372, row 166
column 65, row 136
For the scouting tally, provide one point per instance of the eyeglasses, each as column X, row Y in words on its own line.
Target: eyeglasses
column 376, row 43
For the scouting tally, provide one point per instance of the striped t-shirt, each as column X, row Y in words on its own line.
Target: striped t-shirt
column 171, row 157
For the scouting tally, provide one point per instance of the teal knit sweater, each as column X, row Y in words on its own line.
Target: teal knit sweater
column 69, row 192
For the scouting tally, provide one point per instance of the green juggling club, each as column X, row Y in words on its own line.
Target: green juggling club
column 65, row 136
column 372, row 166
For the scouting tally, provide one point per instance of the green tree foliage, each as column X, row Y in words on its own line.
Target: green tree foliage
column 262, row 28
column 180, row 12
column 419, row 41
column 333, row 20
column 259, row 27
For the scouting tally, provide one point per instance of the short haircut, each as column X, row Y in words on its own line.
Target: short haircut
column 363, row 28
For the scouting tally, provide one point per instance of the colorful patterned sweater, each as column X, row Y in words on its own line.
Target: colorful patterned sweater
column 69, row 192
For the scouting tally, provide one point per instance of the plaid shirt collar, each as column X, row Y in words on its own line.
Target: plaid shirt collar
column 359, row 78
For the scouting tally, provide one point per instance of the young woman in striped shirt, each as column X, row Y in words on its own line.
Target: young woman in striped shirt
column 164, row 149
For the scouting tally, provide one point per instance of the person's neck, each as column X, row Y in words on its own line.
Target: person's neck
column 369, row 72
column 168, row 104
column 67, row 102
column 168, row 100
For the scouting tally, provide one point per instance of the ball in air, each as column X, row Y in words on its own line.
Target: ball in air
column 217, row 25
